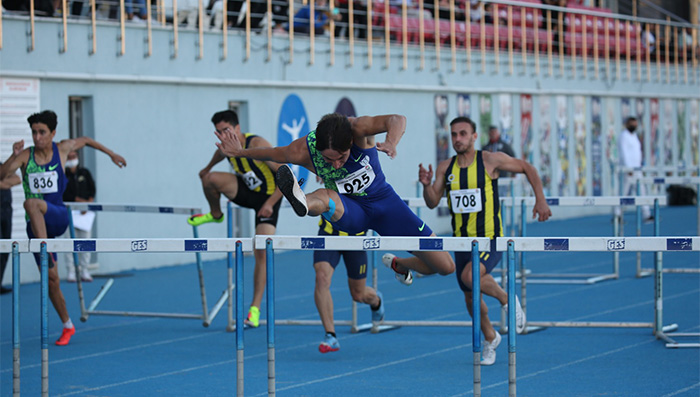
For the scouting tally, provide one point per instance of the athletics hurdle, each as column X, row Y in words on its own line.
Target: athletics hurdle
column 14, row 247
column 207, row 316
column 353, row 243
column 603, row 244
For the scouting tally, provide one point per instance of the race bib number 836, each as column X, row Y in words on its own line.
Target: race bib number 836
column 43, row 182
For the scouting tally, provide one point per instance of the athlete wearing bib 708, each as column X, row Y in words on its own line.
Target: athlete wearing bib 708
column 357, row 197
column 470, row 180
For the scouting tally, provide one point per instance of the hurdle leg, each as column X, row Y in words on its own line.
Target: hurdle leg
column 44, row 321
column 76, row 265
column 476, row 309
column 375, row 328
column 239, row 320
column 511, row 320
column 15, row 320
column 202, row 290
column 270, row 291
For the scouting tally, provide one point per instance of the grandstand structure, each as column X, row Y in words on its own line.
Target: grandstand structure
column 557, row 81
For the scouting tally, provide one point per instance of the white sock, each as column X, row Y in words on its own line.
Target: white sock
column 68, row 324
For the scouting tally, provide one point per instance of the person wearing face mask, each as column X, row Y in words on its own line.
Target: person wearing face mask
column 80, row 188
column 630, row 156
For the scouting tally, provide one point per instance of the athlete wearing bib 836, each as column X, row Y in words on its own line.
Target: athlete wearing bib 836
column 357, row 197
column 44, row 181
column 470, row 182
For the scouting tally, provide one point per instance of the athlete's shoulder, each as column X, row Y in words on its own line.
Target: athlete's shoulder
column 257, row 140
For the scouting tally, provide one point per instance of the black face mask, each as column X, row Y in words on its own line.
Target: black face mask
column 631, row 128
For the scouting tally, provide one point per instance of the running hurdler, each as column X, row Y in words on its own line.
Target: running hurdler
column 470, row 180
column 325, row 263
column 252, row 185
column 44, row 182
column 357, row 197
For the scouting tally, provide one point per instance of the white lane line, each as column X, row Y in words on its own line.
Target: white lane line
column 677, row 392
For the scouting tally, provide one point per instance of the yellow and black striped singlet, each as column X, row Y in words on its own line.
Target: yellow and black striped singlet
column 328, row 228
column 487, row 222
column 242, row 165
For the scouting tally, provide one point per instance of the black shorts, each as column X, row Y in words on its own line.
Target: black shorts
column 249, row 199
column 488, row 258
column 355, row 261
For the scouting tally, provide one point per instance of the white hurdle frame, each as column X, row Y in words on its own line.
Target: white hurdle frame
column 207, row 315
column 604, row 244
column 15, row 247
column 354, row 243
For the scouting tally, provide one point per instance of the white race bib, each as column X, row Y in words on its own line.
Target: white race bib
column 465, row 201
column 251, row 180
column 356, row 182
column 43, row 182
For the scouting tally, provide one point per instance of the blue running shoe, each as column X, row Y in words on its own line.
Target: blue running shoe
column 330, row 344
column 378, row 315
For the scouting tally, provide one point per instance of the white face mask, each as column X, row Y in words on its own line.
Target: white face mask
column 71, row 163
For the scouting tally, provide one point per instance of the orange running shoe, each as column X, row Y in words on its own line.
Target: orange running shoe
column 65, row 336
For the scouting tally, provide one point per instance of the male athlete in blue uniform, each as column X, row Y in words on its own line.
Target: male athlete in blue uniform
column 357, row 197
column 44, row 181
column 470, row 180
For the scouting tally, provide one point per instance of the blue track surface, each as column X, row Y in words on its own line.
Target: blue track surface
column 121, row 356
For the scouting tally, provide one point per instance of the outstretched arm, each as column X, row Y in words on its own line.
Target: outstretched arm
column 68, row 145
column 367, row 126
column 18, row 158
column 295, row 153
column 503, row 162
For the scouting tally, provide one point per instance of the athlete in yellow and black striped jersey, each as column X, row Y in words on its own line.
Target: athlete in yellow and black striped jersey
column 252, row 185
column 470, row 182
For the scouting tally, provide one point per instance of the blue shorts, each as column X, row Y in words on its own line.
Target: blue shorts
column 388, row 215
column 489, row 259
column 56, row 219
column 355, row 261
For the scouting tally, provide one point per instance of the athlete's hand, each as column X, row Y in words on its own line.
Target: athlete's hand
column 229, row 145
column 387, row 147
column 118, row 160
column 542, row 210
column 204, row 172
column 265, row 211
column 425, row 177
column 17, row 147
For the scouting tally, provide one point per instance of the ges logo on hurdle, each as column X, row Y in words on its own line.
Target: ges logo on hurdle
column 139, row 245
column 370, row 244
column 617, row 244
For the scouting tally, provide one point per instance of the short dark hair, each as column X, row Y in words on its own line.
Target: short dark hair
column 334, row 131
column 463, row 119
column 228, row 116
column 47, row 117
column 630, row 118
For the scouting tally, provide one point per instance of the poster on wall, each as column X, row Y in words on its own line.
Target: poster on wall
column 526, row 128
column 694, row 116
column 19, row 98
column 545, row 127
column 680, row 129
column 668, row 132
column 596, row 147
column 654, row 151
column 505, row 117
column 442, row 135
column 293, row 123
column 464, row 105
column 562, row 168
column 580, row 144
column 484, row 118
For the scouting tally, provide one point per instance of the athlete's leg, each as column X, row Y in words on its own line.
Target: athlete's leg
column 319, row 202
column 55, row 293
column 259, row 274
column 214, row 184
column 427, row 262
column 322, row 294
column 362, row 293
column 486, row 326
column 489, row 286
column 36, row 209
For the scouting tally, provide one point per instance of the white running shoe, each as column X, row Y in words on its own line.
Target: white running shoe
column 289, row 187
column 488, row 354
column 71, row 278
column 389, row 261
column 520, row 320
column 85, row 275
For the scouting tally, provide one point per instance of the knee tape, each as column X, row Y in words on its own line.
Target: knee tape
column 331, row 210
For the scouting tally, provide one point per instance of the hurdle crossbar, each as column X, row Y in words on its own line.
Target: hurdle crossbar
column 207, row 315
column 348, row 243
column 602, row 244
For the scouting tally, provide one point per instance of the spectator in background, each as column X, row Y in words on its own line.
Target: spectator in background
column 132, row 6
column 630, row 152
column 477, row 9
column 496, row 144
column 80, row 188
column 6, row 220
column 188, row 11
column 648, row 39
column 555, row 21
column 322, row 16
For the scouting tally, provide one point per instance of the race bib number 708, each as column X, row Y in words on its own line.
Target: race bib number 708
column 465, row 201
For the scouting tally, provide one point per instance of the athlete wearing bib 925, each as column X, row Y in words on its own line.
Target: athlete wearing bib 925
column 251, row 185
column 44, row 181
column 356, row 196
column 470, row 182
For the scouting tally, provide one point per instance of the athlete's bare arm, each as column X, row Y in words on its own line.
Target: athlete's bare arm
column 433, row 191
column 69, row 145
column 295, row 153
column 495, row 161
column 18, row 159
column 365, row 127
